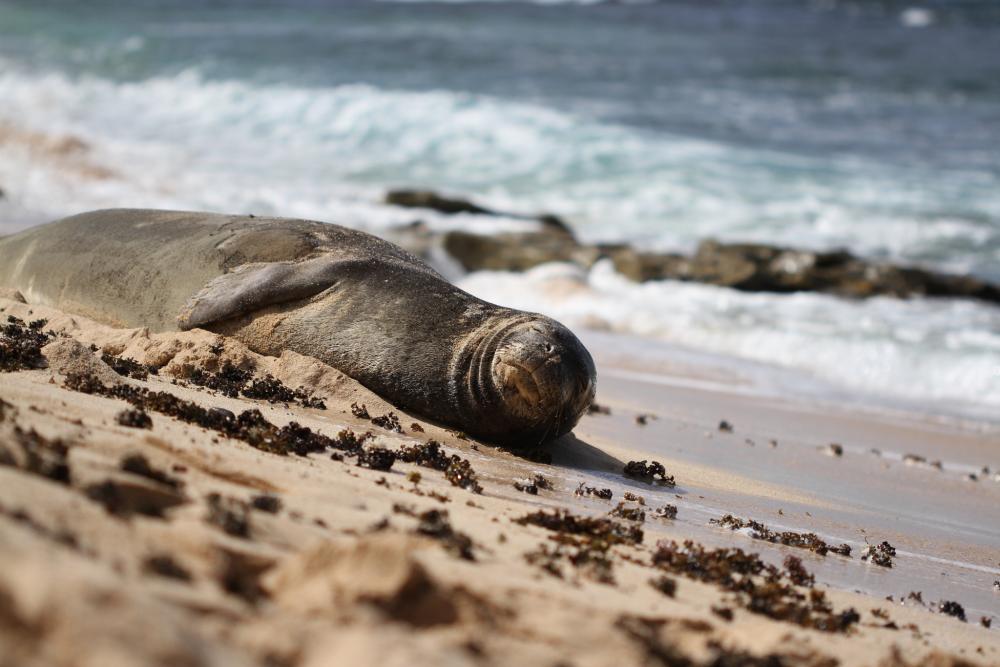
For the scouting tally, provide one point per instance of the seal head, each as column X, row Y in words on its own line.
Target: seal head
column 537, row 376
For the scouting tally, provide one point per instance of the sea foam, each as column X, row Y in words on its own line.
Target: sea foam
column 185, row 140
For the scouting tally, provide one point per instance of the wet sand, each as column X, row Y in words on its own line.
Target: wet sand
column 182, row 562
column 945, row 525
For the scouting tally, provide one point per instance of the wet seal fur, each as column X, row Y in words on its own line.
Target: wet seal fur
column 352, row 300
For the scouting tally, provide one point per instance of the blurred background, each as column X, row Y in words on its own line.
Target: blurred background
column 872, row 126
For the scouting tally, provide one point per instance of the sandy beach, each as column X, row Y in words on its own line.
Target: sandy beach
column 141, row 538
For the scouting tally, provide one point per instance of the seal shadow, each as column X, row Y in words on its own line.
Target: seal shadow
column 569, row 451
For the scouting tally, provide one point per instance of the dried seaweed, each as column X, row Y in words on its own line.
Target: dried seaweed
column 758, row 587
column 21, row 345
column 880, row 554
column 653, row 472
column 595, row 528
column 233, row 382
column 952, row 608
column 623, row 511
column 666, row 512
column 376, row 458
column 759, row 531
column 129, row 368
column 389, row 421
column 603, row 494
column 532, row 485
column 458, row 471
column 249, row 426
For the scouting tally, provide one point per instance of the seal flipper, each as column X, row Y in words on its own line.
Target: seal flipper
column 254, row 286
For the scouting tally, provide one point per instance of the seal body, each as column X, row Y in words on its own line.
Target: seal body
column 350, row 299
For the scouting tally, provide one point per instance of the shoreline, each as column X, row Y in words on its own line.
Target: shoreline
column 324, row 578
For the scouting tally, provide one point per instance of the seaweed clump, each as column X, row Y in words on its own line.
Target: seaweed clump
column 649, row 473
column 952, row 608
column 603, row 494
column 252, row 428
column 759, row 587
column 21, row 344
column 759, row 531
column 880, row 554
column 376, row 458
column 595, row 528
column 531, row 486
column 623, row 511
column 233, row 382
column 457, row 471
column 584, row 542
column 129, row 368
column 667, row 512
column 389, row 421
column 249, row 426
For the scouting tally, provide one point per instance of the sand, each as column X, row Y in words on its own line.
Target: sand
column 208, row 551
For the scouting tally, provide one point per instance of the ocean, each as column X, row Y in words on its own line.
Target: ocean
column 871, row 126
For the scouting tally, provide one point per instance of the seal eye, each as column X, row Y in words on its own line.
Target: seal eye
column 550, row 348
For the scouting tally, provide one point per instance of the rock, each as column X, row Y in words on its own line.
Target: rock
column 452, row 205
column 433, row 201
column 514, row 251
column 645, row 266
column 749, row 267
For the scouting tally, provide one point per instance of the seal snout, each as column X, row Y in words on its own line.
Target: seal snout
column 546, row 376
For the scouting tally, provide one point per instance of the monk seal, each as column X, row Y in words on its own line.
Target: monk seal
column 350, row 299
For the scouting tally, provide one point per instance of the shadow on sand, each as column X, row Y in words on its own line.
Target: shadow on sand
column 571, row 452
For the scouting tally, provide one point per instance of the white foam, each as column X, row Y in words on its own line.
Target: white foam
column 329, row 153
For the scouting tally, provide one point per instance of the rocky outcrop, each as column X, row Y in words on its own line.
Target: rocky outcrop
column 751, row 267
column 742, row 266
